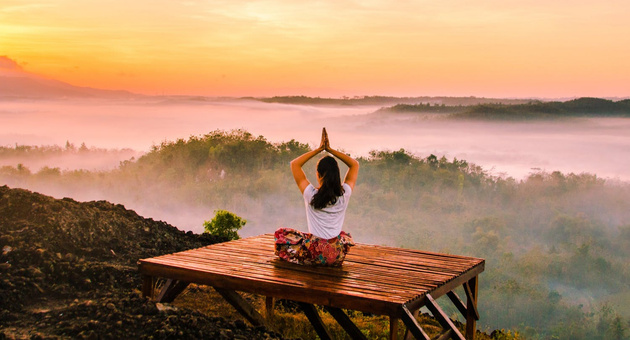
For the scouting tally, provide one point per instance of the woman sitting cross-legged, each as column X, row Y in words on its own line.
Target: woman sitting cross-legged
column 325, row 243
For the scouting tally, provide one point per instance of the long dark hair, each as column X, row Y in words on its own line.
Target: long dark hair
column 331, row 188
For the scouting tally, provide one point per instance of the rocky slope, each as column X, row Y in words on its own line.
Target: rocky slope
column 68, row 270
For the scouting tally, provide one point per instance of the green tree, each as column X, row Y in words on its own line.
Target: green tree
column 225, row 224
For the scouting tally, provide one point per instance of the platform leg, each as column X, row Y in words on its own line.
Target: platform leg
column 148, row 283
column 471, row 306
column 269, row 305
column 393, row 328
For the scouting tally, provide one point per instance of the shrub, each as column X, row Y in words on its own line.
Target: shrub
column 224, row 224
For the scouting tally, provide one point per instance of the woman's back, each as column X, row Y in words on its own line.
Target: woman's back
column 327, row 222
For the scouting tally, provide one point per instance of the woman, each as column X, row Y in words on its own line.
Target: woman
column 325, row 243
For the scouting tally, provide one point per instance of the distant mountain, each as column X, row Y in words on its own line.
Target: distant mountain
column 15, row 83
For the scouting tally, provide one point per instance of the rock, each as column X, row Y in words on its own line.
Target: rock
column 164, row 307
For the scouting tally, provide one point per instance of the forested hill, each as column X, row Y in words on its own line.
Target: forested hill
column 385, row 100
column 581, row 107
column 557, row 246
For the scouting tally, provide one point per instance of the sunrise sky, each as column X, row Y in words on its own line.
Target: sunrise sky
column 492, row 48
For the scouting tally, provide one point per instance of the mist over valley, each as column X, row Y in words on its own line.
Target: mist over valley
column 594, row 145
column 543, row 201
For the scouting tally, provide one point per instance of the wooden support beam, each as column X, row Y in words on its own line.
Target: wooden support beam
column 445, row 335
column 473, row 315
column 242, row 306
column 345, row 322
column 457, row 302
column 412, row 324
column 148, row 285
column 471, row 297
column 167, row 285
column 313, row 316
column 408, row 335
column 442, row 318
column 269, row 306
column 170, row 290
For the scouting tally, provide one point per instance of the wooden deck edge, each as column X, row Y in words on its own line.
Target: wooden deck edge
column 296, row 293
column 447, row 287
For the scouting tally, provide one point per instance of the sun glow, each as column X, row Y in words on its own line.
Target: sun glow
column 329, row 48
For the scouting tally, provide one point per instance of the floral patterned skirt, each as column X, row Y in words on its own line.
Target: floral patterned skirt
column 304, row 248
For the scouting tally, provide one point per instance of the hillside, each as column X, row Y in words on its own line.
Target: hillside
column 69, row 271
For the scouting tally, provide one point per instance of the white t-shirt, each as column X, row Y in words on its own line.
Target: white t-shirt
column 326, row 223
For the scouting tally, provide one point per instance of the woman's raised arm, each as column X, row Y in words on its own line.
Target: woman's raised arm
column 296, row 165
column 353, row 165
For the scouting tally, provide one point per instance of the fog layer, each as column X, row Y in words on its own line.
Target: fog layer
column 594, row 145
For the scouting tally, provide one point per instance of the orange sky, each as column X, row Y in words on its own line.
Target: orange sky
column 498, row 48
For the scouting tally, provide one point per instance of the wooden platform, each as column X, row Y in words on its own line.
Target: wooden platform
column 375, row 279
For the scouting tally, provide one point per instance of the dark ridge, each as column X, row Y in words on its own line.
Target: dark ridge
column 581, row 107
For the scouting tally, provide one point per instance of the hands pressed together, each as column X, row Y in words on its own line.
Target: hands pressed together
column 297, row 163
column 325, row 143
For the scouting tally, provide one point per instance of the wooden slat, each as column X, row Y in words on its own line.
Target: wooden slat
column 382, row 264
column 317, row 283
column 292, row 292
column 378, row 284
column 410, row 283
column 381, row 282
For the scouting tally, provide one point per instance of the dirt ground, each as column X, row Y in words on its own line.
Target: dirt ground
column 68, row 270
